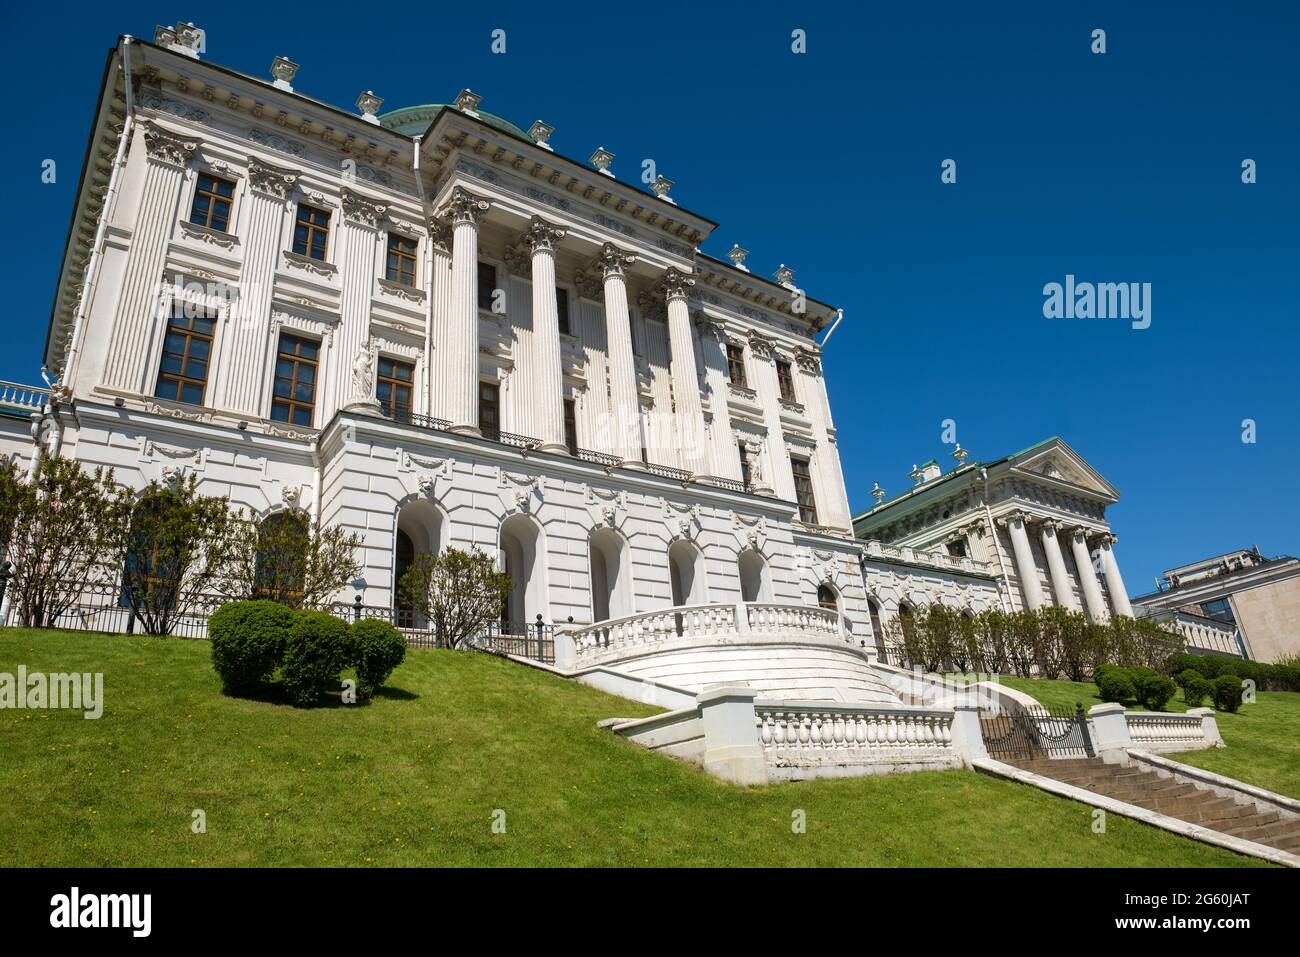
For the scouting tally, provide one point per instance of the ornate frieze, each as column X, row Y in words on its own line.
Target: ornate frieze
column 274, row 141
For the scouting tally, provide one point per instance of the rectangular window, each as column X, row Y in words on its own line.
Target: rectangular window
column 212, row 200
column 785, row 380
column 803, row 491
column 957, row 549
column 187, row 348
column 736, row 365
column 394, row 386
column 571, row 426
column 311, row 232
column 487, row 284
column 294, row 393
column 401, row 259
column 489, row 410
column 562, row 306
column 745, row 473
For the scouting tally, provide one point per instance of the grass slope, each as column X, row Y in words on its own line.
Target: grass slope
column 414, row 778
column 1263, row 739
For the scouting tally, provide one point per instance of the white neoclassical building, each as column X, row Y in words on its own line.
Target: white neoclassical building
column 1018, row 532
column 432, row 327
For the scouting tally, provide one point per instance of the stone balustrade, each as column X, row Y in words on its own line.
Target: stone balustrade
column 818, row 740
column 1159, row 731
column 711, row 624
column 1205, row 634
column 933, row 559
column 30, row 397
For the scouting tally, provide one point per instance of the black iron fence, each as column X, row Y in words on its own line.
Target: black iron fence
column 1020, row 736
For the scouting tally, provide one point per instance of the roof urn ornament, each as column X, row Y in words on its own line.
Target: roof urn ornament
column 960, row 455
column 283, row 70
column 541, row 132
column 661, row 186
column 877, row 492
column 601, row 160
column 369, row 105
column 467, row 101
column 737, row 257
column 785, row 276
column 917, row 475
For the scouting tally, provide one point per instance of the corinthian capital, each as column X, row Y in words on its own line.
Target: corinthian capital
column 270, row 180
column 362, row 211
column 612, row 261
column 167, row 148
column 464, row 207
column 677, row 285
column 541, row 235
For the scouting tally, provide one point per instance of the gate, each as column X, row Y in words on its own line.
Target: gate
column 1019, row 736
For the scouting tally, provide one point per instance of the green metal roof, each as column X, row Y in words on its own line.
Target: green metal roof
column 415, row 120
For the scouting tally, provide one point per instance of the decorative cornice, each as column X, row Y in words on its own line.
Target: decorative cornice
column 809, row 362
column 207, row 234
column 763, row 347
column 298, row 261
column 270, row 180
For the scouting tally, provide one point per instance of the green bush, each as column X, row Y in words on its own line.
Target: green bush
column 377, row 648
column 1115, row 684
column 248, row 640
column 1153, row 690
column 1226, row 691
column 317, row 650
column 1195, row 687
column 1283, row 676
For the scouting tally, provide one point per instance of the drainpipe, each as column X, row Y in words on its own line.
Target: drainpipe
column 428, row 286
column 1005, row 591
column 839, row 314
column 315, row 483
column 96, row 249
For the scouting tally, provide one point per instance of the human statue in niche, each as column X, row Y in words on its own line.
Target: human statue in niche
column 363, row 373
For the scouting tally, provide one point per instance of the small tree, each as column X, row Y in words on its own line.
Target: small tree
column 176, row 546
column 458, row 592
column 284, row 557
column 64, row 527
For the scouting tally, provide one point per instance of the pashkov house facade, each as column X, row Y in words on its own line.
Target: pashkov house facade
column 432, row 328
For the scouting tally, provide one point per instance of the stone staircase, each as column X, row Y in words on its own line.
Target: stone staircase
column 1187, row 802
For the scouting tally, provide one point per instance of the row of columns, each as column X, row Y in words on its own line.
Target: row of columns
column 465, row 211
column 1017, row 523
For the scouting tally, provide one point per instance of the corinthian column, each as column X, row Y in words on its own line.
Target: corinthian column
column 461, row 366
column 1114, row 580
column 625, row 399
column 1087, row 576
column 167, row 157
column 1026, row 570
column 1061, row 587
column 243, row 360
column 689, row 413
column 548, row 377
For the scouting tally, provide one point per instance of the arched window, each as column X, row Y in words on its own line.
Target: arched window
column 873, row 607
column 283, row 540
column 403, row 559
column 826, row 598
column 905, row 618
column 611, row 575
column 686, row 574
column 523, row 558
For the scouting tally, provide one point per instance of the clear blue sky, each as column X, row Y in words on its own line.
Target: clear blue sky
column 1123, row 167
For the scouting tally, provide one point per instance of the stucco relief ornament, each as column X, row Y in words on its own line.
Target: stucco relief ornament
column 609, row 515
column 426, row 484
column 677, row 285
column 290, row 494
column 542, row 235
column 612, row 261
column 523, row 499
column 168, row 148
column 171, row 474
column 464, row 207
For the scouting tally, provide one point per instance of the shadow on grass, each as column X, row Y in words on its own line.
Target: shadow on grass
column 277, row 694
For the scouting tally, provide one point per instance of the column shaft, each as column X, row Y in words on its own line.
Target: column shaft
column 547, row 409
column 1061, row 587
column 461, row 366
column 1087, row 575
column 625, row 400
column 1025, row 567
column 689, row 413
column 1114, row 580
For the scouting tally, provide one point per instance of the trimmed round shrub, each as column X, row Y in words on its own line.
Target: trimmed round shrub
column 1195, row 688
column 248, row 640
column 1114, row 684
column 1226, row 692
column 377, row 648
column 317, row 650
column 1153, row 690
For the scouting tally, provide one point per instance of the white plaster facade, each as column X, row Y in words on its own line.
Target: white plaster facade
column 638, row 502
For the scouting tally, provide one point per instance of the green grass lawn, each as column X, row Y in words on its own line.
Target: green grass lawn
column 414, row 779
column 1263, row 739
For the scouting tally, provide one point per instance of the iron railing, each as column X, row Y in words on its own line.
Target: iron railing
column 1029, row 735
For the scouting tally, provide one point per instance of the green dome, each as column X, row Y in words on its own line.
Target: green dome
column 414, row 120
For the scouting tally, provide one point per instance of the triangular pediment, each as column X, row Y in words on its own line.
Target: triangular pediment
column 1056, row 460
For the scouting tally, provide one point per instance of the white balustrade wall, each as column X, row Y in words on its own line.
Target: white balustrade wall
column 1160, row 731
column 807, row 740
